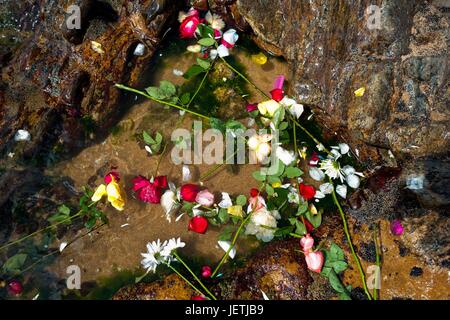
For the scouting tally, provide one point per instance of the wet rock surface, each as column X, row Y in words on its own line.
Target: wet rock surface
column 277, row 269
column 55, row 82
column 332, row 52
column 171, row 287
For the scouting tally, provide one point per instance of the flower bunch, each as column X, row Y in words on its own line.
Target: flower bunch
column 213, row 41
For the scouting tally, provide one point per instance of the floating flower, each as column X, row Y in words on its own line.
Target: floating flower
column 226, row 201
column 235, row 211
column 169, row 202
column 189, row 192
column 148, row 191
column 306, row 191
column 262, row 224
column 195, row 48
column 307, row 242
column 268, row 108
column 229, row 38
column 189, row 26
column 296, row 109
column 206, row 271
column 277, row 94
column 198, row 224
column 153, row 257
column 314, row 261
column 214, row 21
column 112, row 190
column 360, row 92
column 259, row 58
column 250, row 107
column 287, row 157
column 396, row 228
column 15, row 287
column 172, row 245
column 205, row 198
column 260, row 146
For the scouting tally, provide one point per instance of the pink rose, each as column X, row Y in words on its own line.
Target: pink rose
column 314, row 261
column 205, row 198
column 307, row 242
column 188, row 26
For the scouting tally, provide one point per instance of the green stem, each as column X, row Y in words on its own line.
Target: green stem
column 184, row 278
column 225, row 256
column 310, row 135
column 121, row 86
column 78, row 214
column 194, row 275
column 245, row 78
column 295, row 140
column 160, row 159
column 349, row 240
column 201, row 85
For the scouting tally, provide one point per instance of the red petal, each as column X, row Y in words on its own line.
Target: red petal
column 189, row 192
column 198, row 224
column 139, row 182
column 161, row 182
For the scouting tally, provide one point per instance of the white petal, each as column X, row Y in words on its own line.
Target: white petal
column 22, row 135
column 287, row 157
column 316, row 174
column 342, row 190
column 319, row 195
column 326, row 188
column 222, row 51
column 347, row 170
column 344, row 148
column 148, row 149
column 225, row 245
column 226, row 201
column 62, row 246
column 353, row 181
column 140, row 50
column 265, row 297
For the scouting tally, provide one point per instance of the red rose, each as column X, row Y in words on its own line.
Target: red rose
column 15, row 287
column 111, row 175
column 307, row 192
column 189, row 192
column 188, row 26
column 254, row 192
column 149, row 191
column 197, row 298
column 277, row 94
column 198, row 224
column 251, row 107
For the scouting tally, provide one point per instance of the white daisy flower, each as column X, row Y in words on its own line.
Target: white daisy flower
column 172, row 244
column 332, row 169
column 153, row 256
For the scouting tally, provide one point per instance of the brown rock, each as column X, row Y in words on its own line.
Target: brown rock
column 277, row 269
column 171, row 287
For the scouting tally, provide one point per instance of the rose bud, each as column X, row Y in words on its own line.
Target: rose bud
column 188, row 26
column 206, row 271
column 15, row 287
column 189, row 192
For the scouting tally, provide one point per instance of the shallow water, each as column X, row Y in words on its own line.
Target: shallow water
column 117, row 246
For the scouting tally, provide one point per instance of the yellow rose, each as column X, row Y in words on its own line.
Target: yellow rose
column 235, row 211
column 268, row 107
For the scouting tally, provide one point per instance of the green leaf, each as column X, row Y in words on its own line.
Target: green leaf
column 302, row 208
column 207, row 41
column 339, row 266
column 154, row 92
column 233, row 124
column 283, row 126
column 226, row 234
column 185, row 98
column 258, row 176
column 167, row 88
column 273, row 179
column 336, row 253
column 300, row 228
column 270, row 191
column 278, row 116
column 241, row 200
column 217, row 124
column 283, row 231
column 193, row 71
column 316, row 220
column 223, row 215
column 147, row 138
column 205, row 31
column 63, row 209
column 158, row 138
column 15, row 263
column 293, row 172
column 204, row 63
column 336, row 282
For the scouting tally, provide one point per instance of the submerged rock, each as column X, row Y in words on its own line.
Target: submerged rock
column 171, row 287
column 277, row 269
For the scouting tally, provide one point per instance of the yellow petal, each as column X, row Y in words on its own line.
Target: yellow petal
column 276, row 185
column 99, row 193
column 119, row 204
column 97, row 47
column 360, row 92
column 235, row 211
column 312, row 209
column 113, row 191
column 259, row 58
